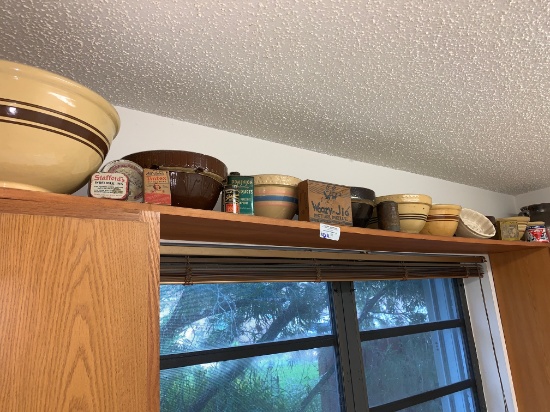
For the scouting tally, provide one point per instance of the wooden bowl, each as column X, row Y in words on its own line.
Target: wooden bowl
column 196, row 180
column 54, row 132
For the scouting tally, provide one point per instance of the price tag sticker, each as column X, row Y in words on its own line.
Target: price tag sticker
column 330, row 232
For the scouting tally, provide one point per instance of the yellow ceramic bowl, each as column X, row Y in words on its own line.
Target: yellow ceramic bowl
column 442, row 220
column 413, row 210
column 54, row 132
column 276, row 196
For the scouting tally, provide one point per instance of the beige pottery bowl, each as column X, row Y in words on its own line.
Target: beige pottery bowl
column 442, row 220
column 474, row 225
column 54, row 132
column 276, row 196
column 413, row 210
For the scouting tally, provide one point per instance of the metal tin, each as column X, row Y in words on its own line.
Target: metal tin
column 135, row 177
column 536, row 232
column 245, row 184
column 231, row 199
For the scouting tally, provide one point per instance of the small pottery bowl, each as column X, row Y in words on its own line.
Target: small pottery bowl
column 442, row 220
column 55, row 132
column 362, row 205
column 413, row 210
column 196, row 180
column 276, row 196
column 473, row 224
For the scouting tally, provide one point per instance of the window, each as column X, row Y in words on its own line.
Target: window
column 308, row 347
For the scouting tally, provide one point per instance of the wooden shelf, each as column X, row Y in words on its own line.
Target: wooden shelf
column 211, row 226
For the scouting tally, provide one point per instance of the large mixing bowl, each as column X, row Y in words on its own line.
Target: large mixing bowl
column 196, row 180
column 54, row 132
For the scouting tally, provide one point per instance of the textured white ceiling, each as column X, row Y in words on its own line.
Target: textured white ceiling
column 458, row 90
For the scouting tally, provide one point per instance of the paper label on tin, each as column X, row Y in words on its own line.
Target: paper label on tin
column 156, row 186
column 330, row 232
column 109, row 186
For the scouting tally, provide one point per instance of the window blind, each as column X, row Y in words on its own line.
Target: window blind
column 200, row 265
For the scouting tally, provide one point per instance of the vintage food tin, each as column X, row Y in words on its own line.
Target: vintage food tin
column 245, row 185
column 156, row 187
column 109, row 186
column 230, row 203
column 536, row 232
column 507, row 230
column 325, row 203
column 135, row 177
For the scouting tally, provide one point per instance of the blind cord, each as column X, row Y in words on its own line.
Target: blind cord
column 494, row 349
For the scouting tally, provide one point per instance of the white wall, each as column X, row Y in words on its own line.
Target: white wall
column 532, row 198
column 142, row 131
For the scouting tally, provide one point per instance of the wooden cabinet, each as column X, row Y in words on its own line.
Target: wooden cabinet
column 79, row 295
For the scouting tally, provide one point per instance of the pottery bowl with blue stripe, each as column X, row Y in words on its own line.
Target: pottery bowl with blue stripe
column 413, row 210
column 276, row 196
column 54, row 132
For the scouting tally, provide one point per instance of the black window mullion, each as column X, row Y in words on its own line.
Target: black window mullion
column 349, row 347
column 180, row 360
column 410, row 329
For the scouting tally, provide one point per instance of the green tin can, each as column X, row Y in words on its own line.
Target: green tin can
column 245, row 184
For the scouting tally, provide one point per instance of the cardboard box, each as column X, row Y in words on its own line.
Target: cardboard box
column 156, row 187
column 324, row 202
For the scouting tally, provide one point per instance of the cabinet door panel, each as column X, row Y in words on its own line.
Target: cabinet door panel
column 74, row 314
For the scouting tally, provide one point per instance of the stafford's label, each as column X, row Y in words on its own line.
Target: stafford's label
column 245, row 186
column 109, row 186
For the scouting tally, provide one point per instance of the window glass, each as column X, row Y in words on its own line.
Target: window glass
column 304, row 381
column 386, row 304
column 400, row 367
column 202, row 317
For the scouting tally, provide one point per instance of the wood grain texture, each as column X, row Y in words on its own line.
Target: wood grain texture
column 74, row 312
column 153, row 309
column 211, row 226
column 522, row 284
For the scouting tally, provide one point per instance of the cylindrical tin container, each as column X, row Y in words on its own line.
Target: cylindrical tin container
column 536, row 232
column 388, row 216
column 231, row 199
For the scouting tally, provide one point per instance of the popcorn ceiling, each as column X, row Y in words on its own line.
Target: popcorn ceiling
column 454, row 90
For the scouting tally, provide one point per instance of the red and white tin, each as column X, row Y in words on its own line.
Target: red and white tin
column 536, row 232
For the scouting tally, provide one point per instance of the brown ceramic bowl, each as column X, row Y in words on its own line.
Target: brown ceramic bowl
column 196, row 180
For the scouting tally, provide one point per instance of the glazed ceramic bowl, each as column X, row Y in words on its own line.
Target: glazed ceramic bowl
column 362, row 205
column 196, row 180
column 413, row 210
column 54, row 132
column 473, row 224
column 276, row 196
column 442, row 220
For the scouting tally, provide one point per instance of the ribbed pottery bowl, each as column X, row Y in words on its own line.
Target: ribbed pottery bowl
column 54, row 132
column 474, row 225
column 413, row 210
column 276, row 196
column 442, row 220
column 196, row 179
